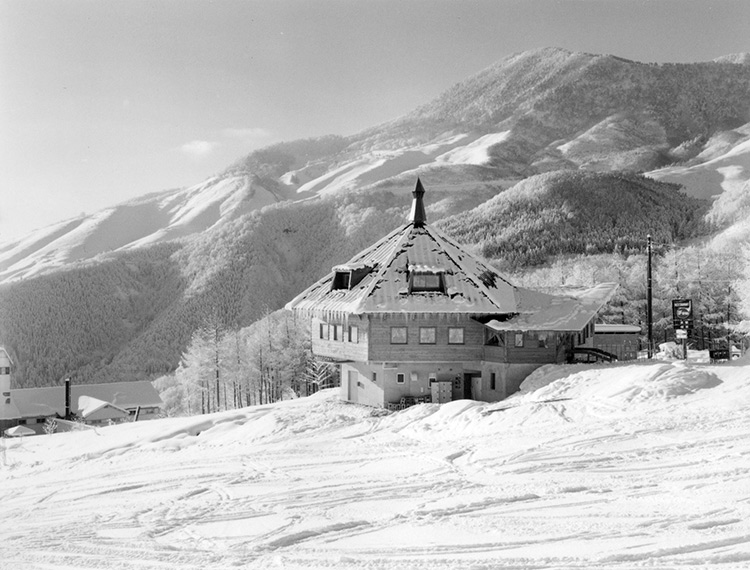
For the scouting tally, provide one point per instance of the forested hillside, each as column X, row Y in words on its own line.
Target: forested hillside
column 131, row 317
column 575, row 212
column 75, row 322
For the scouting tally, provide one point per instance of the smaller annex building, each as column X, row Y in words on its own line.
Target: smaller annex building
column 95, row 404
column 415, row 317
column 617, row 339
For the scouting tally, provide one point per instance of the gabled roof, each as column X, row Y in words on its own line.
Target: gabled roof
column 472, row 286
column 94, row 409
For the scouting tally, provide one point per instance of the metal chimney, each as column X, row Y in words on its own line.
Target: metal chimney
column 67, row 399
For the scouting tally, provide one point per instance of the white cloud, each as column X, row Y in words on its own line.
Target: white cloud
column 198, row 149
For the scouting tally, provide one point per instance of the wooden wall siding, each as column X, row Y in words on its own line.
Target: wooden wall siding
column 625, row 346
column 532, row 353
column 341, row 349
column 381, row 348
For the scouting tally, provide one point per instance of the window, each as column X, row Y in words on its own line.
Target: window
column 341, row 280
column 338, row 332
column 400, row 378
column 7, row 400
column 427, row 335
column 414, row 377
column 492, row 380
column 455, row 335
column 398, row 335
column 493, row 338
column 542, row 340
column 324, row 331
column 5, row 370
column 519, row 340
column 427, row 282
column 348, row 276
column 433, row 378
column 375, row 377
column 353, row 334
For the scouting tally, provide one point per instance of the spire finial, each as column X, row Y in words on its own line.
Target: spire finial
column 417, row 215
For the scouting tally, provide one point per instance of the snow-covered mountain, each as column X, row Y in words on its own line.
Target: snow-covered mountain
column 590, row 466
column 139, row 277
column 530, row 113
column 137, row 223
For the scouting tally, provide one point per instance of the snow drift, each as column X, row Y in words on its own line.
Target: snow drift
column 588, row 466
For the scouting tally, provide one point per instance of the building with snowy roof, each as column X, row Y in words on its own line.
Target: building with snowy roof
column 415, row 317
column 92, row 403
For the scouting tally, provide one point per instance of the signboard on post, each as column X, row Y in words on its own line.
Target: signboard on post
column 682, row 314
column 718, row 354
column 681, row 333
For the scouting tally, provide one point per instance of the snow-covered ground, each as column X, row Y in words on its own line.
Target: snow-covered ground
column 642, row 465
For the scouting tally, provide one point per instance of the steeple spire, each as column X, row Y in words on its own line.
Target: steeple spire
column 417, row 215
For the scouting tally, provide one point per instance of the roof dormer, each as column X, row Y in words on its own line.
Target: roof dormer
column 426, row 279
column 348, row 276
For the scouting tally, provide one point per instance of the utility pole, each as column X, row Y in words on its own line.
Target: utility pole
column 649, row 319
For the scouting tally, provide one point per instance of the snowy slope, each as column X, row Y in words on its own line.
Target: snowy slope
column 142, row 221
column 722, row 166
column 372, row 167
column 619, row 466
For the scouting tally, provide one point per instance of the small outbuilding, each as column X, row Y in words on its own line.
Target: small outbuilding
column 96, row 404
column 620, row 340
column 19, row 431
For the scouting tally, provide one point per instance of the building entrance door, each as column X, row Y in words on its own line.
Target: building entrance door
column 468, row 386
column 352, row 382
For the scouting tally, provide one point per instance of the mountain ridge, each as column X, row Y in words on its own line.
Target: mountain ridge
column 531, row 112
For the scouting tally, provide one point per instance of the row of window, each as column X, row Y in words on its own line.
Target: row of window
column 531, row 339
column 427, row 335
column 337, row 332
column 419, row 281
column 401, row 379
column 4, row 369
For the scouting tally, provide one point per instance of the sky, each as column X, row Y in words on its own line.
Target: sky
column 105, row 100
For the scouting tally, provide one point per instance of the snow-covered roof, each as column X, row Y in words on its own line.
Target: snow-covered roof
column 616, row 329
column 542, row 312
column 19, row 431
column 94, row 409
column 40, row 402
column 472, row 286
column 5, row 358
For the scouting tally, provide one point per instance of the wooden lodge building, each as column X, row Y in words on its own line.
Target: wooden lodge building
column 415, row 317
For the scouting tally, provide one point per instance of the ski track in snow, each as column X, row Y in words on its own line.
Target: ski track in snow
column 572, row 474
